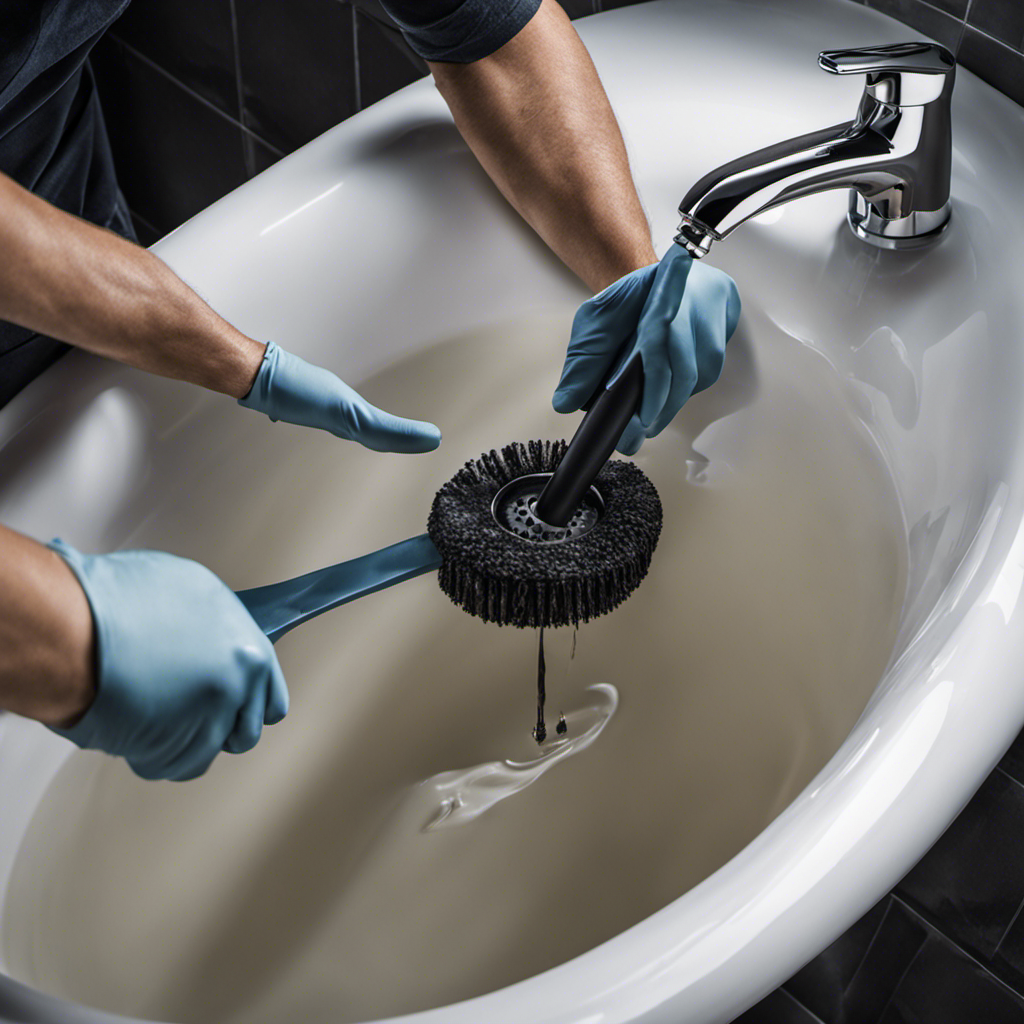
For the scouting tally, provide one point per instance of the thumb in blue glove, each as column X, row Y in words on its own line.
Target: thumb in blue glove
column 290, row 389
column 678, row 314
column 183, row 672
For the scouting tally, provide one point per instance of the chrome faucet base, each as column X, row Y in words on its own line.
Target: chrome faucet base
column 895, row 157
column 915, row 231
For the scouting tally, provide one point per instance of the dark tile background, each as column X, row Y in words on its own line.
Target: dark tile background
column 200, row 95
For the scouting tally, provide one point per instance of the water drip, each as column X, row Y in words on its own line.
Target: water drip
column 461, row 795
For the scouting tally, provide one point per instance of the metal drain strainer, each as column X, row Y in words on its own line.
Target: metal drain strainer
column 512, row 509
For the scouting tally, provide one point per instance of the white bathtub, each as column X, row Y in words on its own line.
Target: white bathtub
column 927, row 343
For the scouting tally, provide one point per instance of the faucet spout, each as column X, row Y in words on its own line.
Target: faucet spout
column 894, row 156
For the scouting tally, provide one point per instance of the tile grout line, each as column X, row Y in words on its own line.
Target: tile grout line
column 262, row 141
column 960, row 35
column 1002, row 771
column 860, row 962
column 355, row 57
column 963, row 29
column 999, row 42
column 145, row 220
column 1013, row 921
column 248, row 157
column 136, row 216
column 1017, row 49
column 900, row 979
column 191, row 92
column 871, row 945
column 931, row 7
column 955, row 943
column 815, row 1019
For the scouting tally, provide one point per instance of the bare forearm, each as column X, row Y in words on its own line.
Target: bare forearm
column 46, row 634
column 87, row 286
column 537, row 118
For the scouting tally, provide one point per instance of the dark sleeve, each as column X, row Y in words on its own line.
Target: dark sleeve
column 460, row 31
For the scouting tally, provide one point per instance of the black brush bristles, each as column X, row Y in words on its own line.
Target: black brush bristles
column 510, row 580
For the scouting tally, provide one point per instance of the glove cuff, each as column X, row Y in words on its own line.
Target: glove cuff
column 85, row 732
column 260, row 396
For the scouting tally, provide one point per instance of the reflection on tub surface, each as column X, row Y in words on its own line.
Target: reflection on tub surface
column 293, row 883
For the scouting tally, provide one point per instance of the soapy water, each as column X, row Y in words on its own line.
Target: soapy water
column 350, row 867
column 466, row 793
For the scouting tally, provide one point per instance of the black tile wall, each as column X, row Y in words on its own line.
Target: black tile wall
column 958, row 8
column 145, row 233
column 259, row 155
column 987, row 36
column 192, row 40
column 927, row 19
column 255, row 79
column 1009, row 956
column 384, row 63
column 943, row 986
column 297, row 68
column 894, row 967
column 1004, row 21
column 993, row 61
column 1013, row 762
column 202, row 94
column 195, row 157
column 578, row 8
column 371, row 10
column 853, row 979
column 778, row 1008
column 972, row 879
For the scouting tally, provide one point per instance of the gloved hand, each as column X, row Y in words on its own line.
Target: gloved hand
column 183, row 671
column 290, row 389
column 678, row 314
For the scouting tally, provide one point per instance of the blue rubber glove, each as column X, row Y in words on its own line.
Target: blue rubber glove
column 290, row 389
column 182, row 670
column 678, row 314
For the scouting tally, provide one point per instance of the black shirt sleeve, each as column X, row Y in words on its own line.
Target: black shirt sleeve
column 459, row 31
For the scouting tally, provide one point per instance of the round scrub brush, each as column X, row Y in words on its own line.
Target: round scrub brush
column 538, row 534
column 549, row 534
column 503, row 564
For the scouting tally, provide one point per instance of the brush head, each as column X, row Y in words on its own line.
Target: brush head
column 502, row 565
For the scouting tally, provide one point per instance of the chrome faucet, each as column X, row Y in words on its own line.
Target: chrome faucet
column 894, row 156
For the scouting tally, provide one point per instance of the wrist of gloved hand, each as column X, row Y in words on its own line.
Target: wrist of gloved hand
column 290, row 389
column 182, row 670
column 678, row 314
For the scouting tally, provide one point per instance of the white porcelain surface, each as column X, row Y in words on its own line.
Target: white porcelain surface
column 929, row 342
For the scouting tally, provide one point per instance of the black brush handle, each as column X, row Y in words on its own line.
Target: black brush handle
column 591, row 446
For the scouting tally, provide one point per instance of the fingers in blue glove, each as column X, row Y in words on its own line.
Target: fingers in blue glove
column 669, row 367
column 196, row 759
column 677, row 314
column 380, row 431
column 290, row 389
column 600, row 329
column 248, row 725
column 632, row 437
column 707, row 318
column 277, row 696
column 183, row 669
column 190, row 758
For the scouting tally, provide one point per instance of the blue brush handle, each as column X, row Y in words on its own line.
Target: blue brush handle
column 279, row 607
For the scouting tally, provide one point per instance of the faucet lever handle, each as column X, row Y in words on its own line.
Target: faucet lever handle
column 899, row 74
